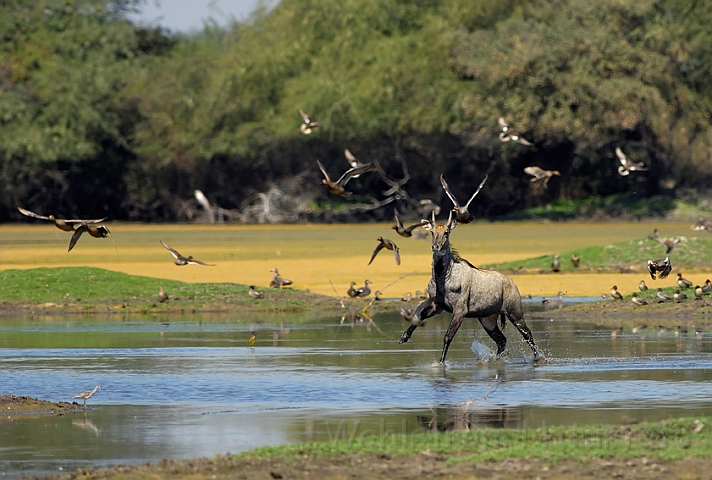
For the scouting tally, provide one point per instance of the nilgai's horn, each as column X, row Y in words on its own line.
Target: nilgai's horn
column 449, row 220
column 433, row 217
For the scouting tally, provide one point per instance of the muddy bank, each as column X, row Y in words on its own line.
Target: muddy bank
column 425, row 465
column 13, row 407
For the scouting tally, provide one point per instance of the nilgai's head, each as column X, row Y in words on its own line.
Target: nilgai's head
column 440, row 233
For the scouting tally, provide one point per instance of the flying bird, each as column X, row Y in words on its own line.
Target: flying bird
column 181, row 260
column 308, row 124
column 462, row 213
column 96, row 231
column 669, row 244
column 509, row 133
column 62, row 224
column 540, row 176
column 388, row 245
column 702, row 224
column 354, row 162
column 661, row 268
column 627, row 166
column 337, row 187
column 277, row 281
column 402, row 230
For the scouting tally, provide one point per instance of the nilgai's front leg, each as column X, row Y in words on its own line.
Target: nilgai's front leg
column 455, row 323
column 425, row 309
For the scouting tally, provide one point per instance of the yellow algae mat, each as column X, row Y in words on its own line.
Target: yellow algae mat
column 313, row 255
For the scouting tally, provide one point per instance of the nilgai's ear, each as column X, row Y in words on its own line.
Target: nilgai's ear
column 427, row 225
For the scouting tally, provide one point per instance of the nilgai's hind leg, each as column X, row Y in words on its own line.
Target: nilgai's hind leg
column 450, row 334
column 490, row 326
column 521, row 325
column 425, row 309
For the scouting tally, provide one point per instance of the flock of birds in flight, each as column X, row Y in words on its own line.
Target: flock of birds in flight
column 337, row 187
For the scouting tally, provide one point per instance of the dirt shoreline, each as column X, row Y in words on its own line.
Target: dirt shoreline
column 425, row 465
column 13, row 407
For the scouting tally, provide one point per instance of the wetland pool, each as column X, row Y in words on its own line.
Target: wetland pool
column 189, row 386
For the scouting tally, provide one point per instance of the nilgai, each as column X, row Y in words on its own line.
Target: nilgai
column 460, row 288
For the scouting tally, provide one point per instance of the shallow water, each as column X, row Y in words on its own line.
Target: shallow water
column 190, row 386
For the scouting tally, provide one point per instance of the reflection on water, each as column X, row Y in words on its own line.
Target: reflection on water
column 188, row 387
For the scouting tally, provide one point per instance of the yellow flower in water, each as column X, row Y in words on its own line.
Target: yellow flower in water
column 251, row 341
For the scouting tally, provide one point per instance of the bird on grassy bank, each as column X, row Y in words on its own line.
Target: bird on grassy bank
column 662, row 330
column 654, row 235
column 575, row 260
column 540, row 175
column 462, row 214
column 661, row 268
column 637, row 300
column 87, row 395
column 678, row 296
column 616, row 332
column 62, row 224
column 698, row 292
column 509, row 133
column 254, row 293
column 639, row 328
column 662, row 296
column 615, row 293
column 388, row 245
column 680, row 331
column 627, row 166
column 402, row 230
column 682, row 282
column 180, row 260
column 364, row 291
column 642, row 286
column 555, row 265
column 351, row 292
column 338, row 187
column 309, row 125
column 702, row 224
column 277, row 281
column 96, row 231
column 162, row 295
column 707, row 287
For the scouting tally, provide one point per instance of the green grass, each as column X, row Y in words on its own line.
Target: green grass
column 616, row 206
column 669, row 441
column 628, row 256
column 90, row 289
